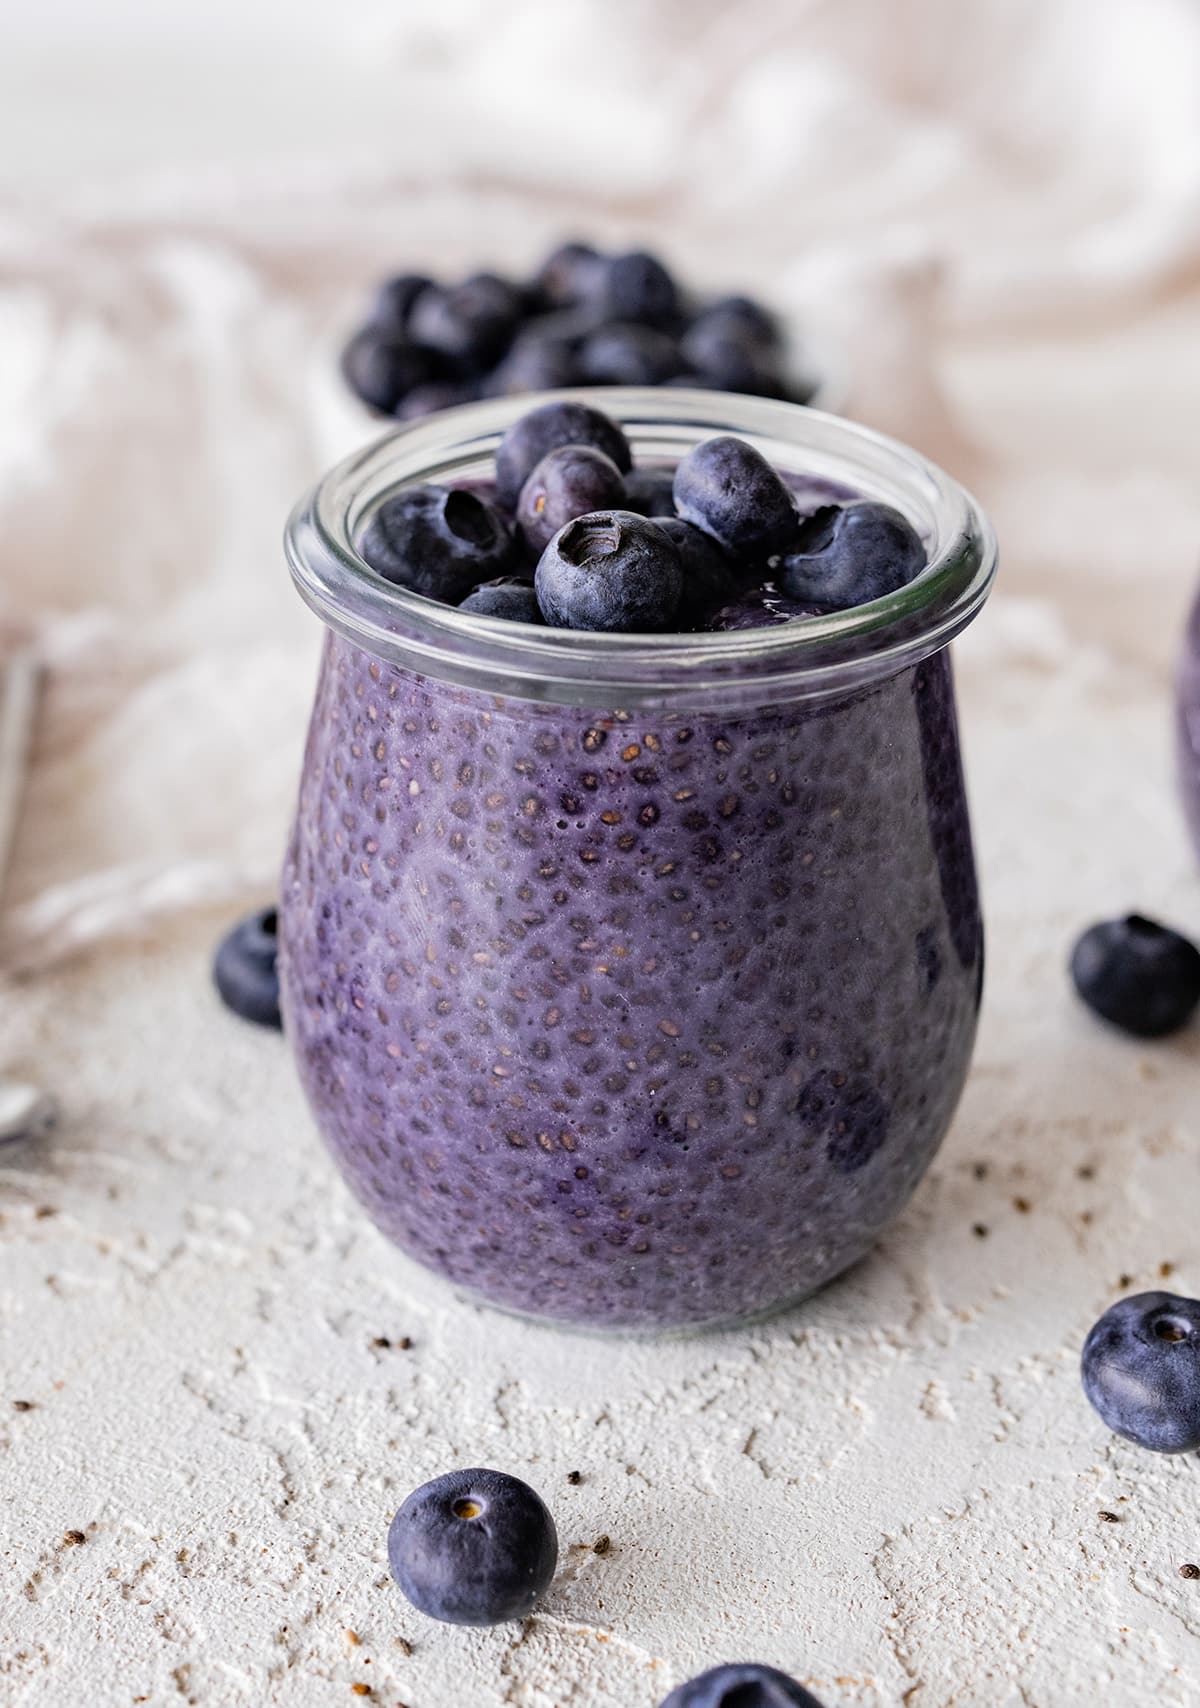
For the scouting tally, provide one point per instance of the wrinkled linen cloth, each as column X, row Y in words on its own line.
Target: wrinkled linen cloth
column 984, row 217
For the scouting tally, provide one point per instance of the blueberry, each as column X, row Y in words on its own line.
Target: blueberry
column 428, row 399
column 611, row 570
column 729, row 361
column 394, row 299
column 744, row 1686
column 730, row 490
column 850, row 554
column 623, row 353
column 708, row 577
column 509, row 596
column 570, row 273
column 743, row 318
column 535, row 364
column 244, row 969
column 1141, row 976
column 570, row 481
column 382, row 369
column 638, row 287
column 544, row 429
column 1141, row 1371
column 651, row 492
column 437, row 540
column 473, row 1548
column 764, row 608
column 472, row 324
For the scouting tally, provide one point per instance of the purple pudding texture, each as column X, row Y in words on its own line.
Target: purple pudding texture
column 630, row 1020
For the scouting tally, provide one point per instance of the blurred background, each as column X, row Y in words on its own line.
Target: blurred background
column 983, row 215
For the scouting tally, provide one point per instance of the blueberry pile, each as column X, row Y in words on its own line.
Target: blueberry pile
column 573, row 536
column 583, row 319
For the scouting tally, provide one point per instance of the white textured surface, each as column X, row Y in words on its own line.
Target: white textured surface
column 893, row 1493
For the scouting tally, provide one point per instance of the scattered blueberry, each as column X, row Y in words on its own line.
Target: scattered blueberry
column 244, row 969
column 1141, row 1371
column 437, row 540
column 762, row 608
column 509, row 596
column 849, row 554
column 743, row 318
column 473, row 1548
column 730, row 490
column 638, row 287
column 569, row 481
column 651, row 492
column 472, row 323
column 535, row 364
column 611, row 570
column 544, row 429
column 427, row 399
column 626, row 354
column 394, row 299
column 570, row 273
column 1141, row 976
column 382, row 369
column 743, row 1686
column 708, row 577
column 731, row 361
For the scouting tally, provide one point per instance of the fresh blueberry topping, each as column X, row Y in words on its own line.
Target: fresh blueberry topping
column 244, row 969
column 762, row 608
column 1141, row 1371
column 730, row 490
column 849, row 554
column 472, row 323
column 611, row 570
column 509, row 596
column 708, row 577
column 544, row 429
column 570, row 273
column 473, row 1548
column 638, row 287
column 438, row 540
column 568, row 482
column 382, row 369
column 744, row 1686
column 625, row 354
column 1137, row 974
column 651, row 492
column 394, row 299
column 428, row 399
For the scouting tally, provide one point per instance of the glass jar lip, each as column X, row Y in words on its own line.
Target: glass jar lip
column 812, row 658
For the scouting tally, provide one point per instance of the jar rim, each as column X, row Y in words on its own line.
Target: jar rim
column 814, row 658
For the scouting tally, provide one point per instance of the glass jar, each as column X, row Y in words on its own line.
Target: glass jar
column 633, row 979
column 1187, row 722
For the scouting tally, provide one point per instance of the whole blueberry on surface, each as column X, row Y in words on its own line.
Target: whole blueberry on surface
column 570, row 273
column 741, row 1686
column 708, row 577
column 731, row 361
column 428, row 399
column 1137, row 974
column 849, row 554
column 611, row 570
column 730, row 490
column 509, row 596
column 1141, row 1371
column 741, row 317
column 245, row 971
column 382, row 369
column 535, row 364
column 472, row 323
column 651, row 492
column 569, row 481
column 473, row 1548
column 394, row 299
column 624, row 353
column 762, row 608
column 638, row 287
column 545, row 428
column 437, row 540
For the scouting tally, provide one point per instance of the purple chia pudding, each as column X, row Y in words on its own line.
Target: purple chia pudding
column 634, row 986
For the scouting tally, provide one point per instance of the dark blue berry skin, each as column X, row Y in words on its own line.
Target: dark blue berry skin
column 763, row 608
column 382, row 370
column 651, row 492
column 473, row 1548
column 394, row 299
column 570, row 273
column 708, row 577
column 638, row 287
column 428, row 399
column 611, row 570
column 850, row 554
column 569, row 481
column 438, row 541
column 1138, row 975
column 544, row 429
column 728, row 360
column 1141, row 1371
column 244, row 969
column 509, row 596
column 471, row 324
column 623, row 353
column 741, row 317
column 744, row 1686
column 729, row 489
column 535, row 364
